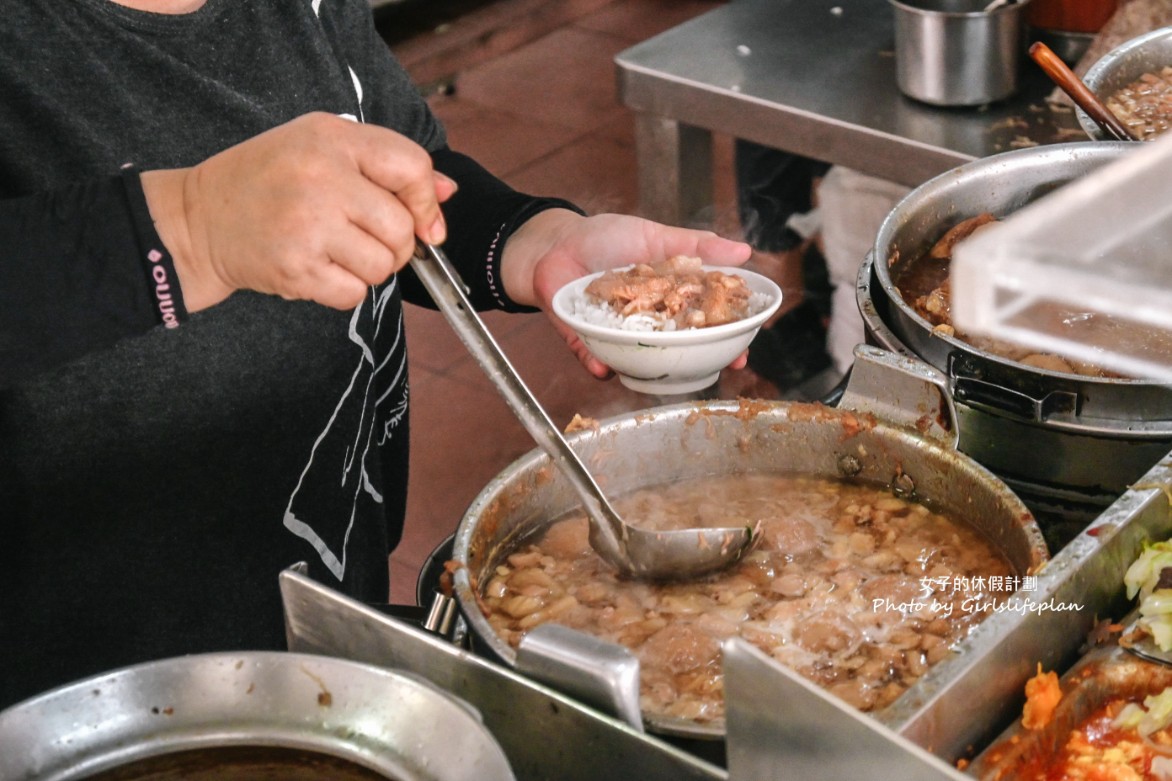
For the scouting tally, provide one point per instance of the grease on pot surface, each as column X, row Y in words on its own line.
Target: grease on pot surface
column 853, row 587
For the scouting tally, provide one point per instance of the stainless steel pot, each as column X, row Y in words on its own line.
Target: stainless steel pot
column 1147, row 53
column 1069, row 445
column 248, row 715
column 686, row 441
column 955, row 53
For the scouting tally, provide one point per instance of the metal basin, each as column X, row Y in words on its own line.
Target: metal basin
column 249, row 715
column 681, row 442
column 1123, row 65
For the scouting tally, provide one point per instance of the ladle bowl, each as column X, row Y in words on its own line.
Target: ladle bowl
column 639, row 553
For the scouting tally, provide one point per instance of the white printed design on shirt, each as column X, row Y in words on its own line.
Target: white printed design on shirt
column 337, row 468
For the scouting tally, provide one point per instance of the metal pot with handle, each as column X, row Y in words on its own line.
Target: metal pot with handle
column 1068, row 444
column 862, row 440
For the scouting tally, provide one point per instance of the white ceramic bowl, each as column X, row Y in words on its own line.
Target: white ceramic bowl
column 666, row 363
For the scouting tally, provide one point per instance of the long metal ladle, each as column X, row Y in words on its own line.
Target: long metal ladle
column 635, row 552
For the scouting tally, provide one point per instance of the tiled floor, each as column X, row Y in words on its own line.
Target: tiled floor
column 530, row 92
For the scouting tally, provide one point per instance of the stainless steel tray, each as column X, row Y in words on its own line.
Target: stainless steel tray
column 966, row 700
column 1103, row 674
column 544, row 733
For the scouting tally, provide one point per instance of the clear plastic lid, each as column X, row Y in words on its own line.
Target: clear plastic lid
column 1084, row 272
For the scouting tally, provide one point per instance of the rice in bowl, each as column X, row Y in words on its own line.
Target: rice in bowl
column 591, row 311
column 674, row 294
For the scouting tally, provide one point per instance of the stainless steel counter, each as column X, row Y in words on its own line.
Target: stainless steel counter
column 813, row 77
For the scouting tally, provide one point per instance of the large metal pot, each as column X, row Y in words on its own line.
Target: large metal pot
column 696, row 439
column 1068, row 445
column 249, row 715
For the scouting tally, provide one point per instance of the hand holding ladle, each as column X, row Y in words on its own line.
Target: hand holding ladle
column 638, row 553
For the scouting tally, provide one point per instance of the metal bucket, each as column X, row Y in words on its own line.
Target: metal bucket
column 1069, row 445
column 692, row 440
column 248, row 715
column 954, row 53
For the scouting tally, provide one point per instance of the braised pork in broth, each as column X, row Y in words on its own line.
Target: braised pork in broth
column 856, row 589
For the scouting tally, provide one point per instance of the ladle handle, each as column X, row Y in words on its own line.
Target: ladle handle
column 443, row 282
column 1079, row 92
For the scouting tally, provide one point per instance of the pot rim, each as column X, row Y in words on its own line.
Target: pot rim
column 1015, row 8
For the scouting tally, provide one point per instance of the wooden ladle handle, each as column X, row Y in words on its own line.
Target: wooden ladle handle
column 1079, row 92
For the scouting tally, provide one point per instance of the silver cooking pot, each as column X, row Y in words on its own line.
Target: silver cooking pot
column 1069, row 445
column 248, row 715
column 913, row 456
column 1126, row 63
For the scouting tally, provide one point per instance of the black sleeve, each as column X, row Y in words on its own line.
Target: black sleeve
column 80, row 268
column 481, row 216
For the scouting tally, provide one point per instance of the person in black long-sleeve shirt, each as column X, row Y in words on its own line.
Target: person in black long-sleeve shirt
column 206, row 208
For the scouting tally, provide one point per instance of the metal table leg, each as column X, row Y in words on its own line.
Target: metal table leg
column 675, row 171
